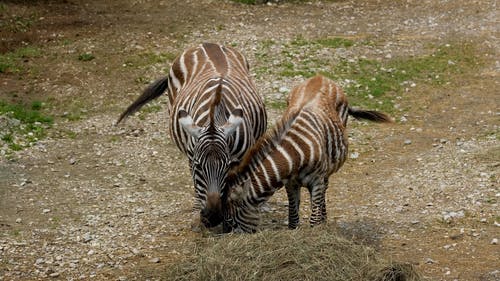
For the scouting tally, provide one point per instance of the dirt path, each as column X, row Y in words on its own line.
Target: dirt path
column 95, row 200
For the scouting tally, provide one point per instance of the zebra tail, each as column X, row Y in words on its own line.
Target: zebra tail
column 370, row 115
column 153, row 91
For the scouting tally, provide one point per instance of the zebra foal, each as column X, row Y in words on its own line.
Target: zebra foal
column 305, row 147
column 215, row 114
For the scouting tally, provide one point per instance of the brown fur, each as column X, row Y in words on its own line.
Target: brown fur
column 212, row 214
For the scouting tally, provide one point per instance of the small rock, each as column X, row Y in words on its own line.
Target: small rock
column 135, row 251
column 72, row 161
column 87, row 237
column 429, row 261
column 407, row 142
column 494, row 241
column 415, row 222
column 154, row 260
column 45, row 211
column 447, row 216
column 283, row 89
column 354, row 155
column 55, row 274
column 19, row 220
column 139, row 210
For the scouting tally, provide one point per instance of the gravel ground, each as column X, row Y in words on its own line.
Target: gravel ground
column 113, row 202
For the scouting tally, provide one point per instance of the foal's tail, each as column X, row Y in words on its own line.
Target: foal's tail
column 370, row 115
column 153, row 91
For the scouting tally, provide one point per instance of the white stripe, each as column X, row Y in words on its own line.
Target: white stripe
column 275, row 169
column 183, row 68
column 175, row 81
column 308, row 141
column 264, row 172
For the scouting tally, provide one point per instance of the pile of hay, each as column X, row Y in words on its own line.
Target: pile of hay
column 306, row 254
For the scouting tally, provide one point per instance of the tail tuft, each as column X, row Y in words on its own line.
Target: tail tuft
column 153, row 91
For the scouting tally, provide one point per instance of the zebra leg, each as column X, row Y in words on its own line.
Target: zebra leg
column 293, row 193
column 318, row 206
column 323, row 207
column 196, row 224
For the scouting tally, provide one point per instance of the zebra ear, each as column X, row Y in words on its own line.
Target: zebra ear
column 235, row 119
column 187, row 124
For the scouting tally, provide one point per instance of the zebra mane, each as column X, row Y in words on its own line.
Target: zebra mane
column 213, row 106
column 261, row 148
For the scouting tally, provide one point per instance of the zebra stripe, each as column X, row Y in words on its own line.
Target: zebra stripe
column 214, row 110
column 306, row 146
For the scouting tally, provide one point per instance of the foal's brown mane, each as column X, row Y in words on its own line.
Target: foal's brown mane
column 261, row 147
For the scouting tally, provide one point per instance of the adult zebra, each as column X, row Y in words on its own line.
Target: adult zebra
column 215, row 116
column 306, row 146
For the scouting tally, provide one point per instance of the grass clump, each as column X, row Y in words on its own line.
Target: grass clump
column 22, row 125
column 11, row 62
column 305, row 254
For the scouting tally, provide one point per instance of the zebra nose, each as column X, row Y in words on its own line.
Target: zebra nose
column 211, row 215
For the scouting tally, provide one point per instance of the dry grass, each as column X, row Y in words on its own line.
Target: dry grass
column 305, row 254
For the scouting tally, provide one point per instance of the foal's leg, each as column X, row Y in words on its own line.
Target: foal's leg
column 293, row 193
column 318, row 206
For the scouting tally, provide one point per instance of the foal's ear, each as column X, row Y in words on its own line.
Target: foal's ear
column 237, row 193
column 235, row 119
column 187, row 124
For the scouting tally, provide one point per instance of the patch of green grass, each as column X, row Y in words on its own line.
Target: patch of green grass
column 11, row 62
column 23, row 114
column 335, row 42
column 276, row 104
column 70, row 134
column 149, row 58
column 86, row 57
column 22, row 125
column 368, row 82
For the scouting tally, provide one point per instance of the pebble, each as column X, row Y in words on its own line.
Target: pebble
column 45, row 211
column 19, row 220
column 87, row 237
column 429, row 261
column 283, row 89
column 154, row 260
column 139, row 210
column 407, row 142
column 494, row 241
column 447, row 216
